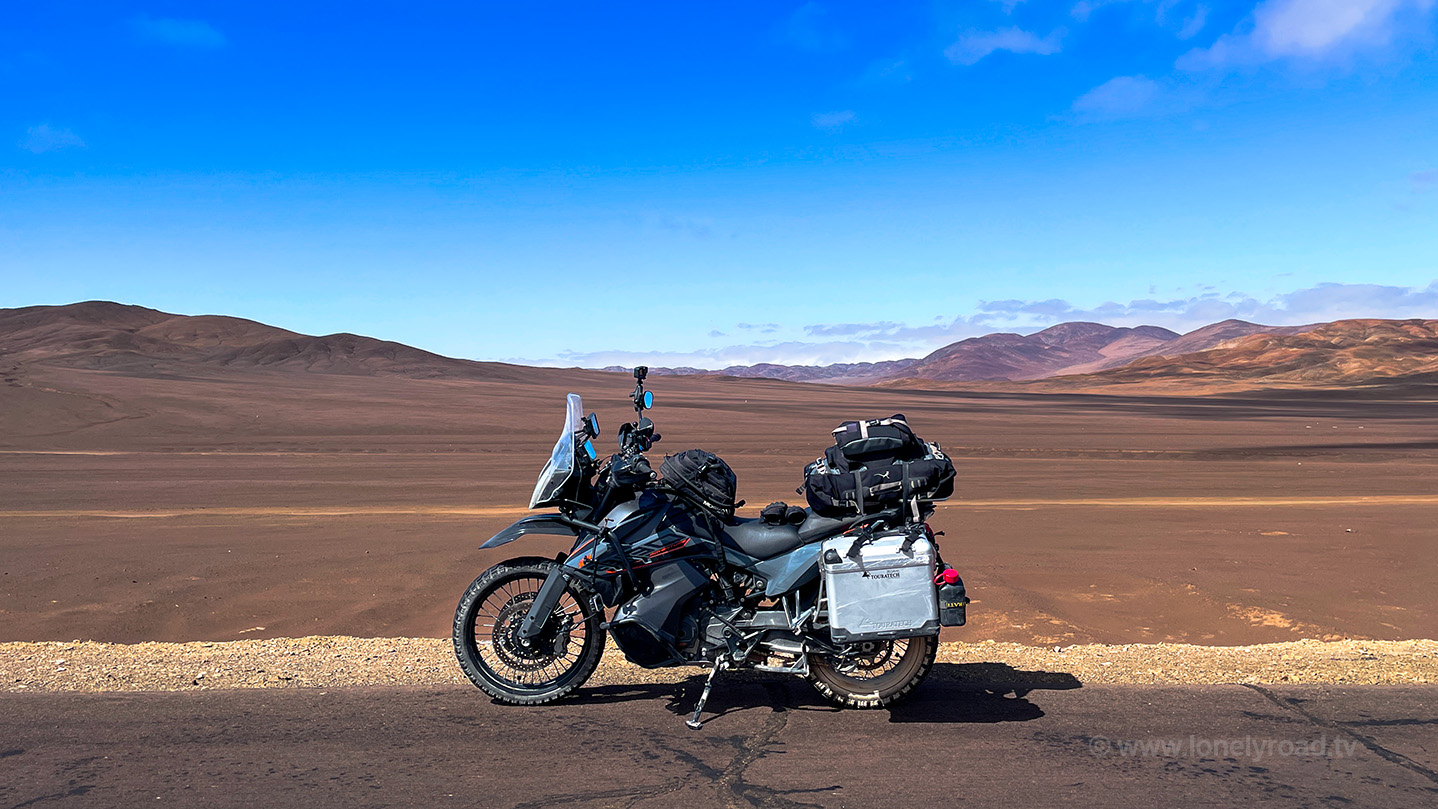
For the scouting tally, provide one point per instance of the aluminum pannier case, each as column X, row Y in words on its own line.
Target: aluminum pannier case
column 881, row 588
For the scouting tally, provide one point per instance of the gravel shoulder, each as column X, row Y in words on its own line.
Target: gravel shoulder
column 339, row 661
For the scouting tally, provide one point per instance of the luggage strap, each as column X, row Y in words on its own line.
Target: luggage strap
column 866, row 535
column 864, row 425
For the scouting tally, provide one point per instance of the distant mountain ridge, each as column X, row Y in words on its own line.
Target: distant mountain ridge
column 1067, row 348
column 140, row 342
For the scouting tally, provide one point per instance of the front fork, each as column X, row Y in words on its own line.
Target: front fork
column 544, row 603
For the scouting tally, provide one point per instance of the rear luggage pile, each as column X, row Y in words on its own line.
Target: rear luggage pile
column 876, row 465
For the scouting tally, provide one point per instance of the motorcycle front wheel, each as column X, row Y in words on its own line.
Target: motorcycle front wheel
column 873, row 674
column 503, row 664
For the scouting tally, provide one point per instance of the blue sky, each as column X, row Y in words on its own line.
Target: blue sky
column 713, row 183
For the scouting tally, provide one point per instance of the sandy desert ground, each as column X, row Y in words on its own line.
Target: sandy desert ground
column 258, row 504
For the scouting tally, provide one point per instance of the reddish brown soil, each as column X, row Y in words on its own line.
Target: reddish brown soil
column 247, row 503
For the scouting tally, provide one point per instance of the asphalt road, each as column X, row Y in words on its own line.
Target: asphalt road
column 768, row 743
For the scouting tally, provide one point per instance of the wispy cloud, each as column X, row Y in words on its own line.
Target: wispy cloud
column 787, row 353
column 1172, row 15
column 833, row 121
column 887, row 71
column 46, row 138
column 1082, row 9
column 851, row 329
column 1424, row 180
column 973, row 46
column 182, row 33
column 1308, row 30
column 1194, row 23
column 1119, row 97
column 691, row 226
column 1313, row 304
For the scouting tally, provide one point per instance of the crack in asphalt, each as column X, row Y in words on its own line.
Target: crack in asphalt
column 634, row 796
column 55, row 796
column 1377, row 749
column 734, row 791
column 738, row 793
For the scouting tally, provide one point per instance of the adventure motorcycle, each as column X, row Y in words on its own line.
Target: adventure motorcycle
column 852, row 603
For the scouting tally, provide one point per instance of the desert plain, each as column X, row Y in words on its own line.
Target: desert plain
column 247, row 503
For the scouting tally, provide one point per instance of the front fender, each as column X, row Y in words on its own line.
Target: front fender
column 551, row 524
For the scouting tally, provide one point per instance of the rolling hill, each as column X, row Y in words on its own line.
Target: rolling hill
column 1338, row 354
column 100, row 335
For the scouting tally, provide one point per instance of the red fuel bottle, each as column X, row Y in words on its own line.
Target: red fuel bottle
column 953, row 600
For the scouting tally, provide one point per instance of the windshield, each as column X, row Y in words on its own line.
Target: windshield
column 560, row 467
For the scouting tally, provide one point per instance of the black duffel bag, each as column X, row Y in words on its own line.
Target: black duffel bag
column 702, row 477
column 874, row 439
column 878, row 486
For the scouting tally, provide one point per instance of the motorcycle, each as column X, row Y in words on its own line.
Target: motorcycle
column 853, row 603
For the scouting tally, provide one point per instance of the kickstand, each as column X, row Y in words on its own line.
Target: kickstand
column 693, row 721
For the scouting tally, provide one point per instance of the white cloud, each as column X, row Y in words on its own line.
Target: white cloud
column 1320, row 303
column 1310, row 30
column 1082, row 9
column 46, row 138
column 787, row 353
column 696, row 227
column 834, row 121
column 975, row 45
column 185, row 33
column 1118, row 97
column 1165, row 13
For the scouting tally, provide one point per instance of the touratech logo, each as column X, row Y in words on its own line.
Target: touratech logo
column 890, row 575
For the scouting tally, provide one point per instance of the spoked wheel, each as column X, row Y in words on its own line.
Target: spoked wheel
column 502, row 663
column 873, row 674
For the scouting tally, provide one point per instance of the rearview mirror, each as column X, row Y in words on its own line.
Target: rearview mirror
column 648, row 399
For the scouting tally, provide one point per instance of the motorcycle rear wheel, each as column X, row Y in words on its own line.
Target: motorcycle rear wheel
column 495, row 658
column 878, row 675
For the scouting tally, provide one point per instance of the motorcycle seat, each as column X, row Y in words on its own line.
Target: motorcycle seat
column 759, row 539
column 815, row 527
column 762, row 540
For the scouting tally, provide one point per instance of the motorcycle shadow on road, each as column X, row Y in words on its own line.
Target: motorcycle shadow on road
column 953, row 693
column 980, row 693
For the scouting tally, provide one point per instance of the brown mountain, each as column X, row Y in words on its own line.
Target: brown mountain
column 145, row 343
column 100, row 335
column 1065, row 348
column 1341, row 353
column 1211, row 335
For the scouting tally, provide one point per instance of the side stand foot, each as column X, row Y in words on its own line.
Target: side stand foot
column 693, row 722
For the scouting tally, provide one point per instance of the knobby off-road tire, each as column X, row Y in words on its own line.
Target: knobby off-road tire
column 486, row 638
column 896, row 680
